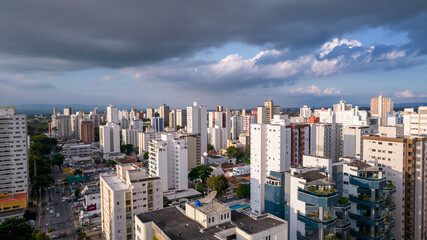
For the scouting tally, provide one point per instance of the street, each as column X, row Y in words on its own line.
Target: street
column 65, row 221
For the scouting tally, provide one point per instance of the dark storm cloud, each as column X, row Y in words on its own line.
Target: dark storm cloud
column 129, row 33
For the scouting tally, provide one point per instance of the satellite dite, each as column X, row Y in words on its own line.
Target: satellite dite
column 206, row 200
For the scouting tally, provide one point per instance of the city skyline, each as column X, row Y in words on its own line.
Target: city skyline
column 295, row 53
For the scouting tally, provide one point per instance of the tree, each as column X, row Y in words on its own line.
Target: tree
column 243, row 191
column 97, row 160
column 41, row 148
column 200, row 188
column 248, row 150
column 40, row 236
column 77, row 193
column 210, row 147
column 58, row 159
column 218, row 183
column 234, row 152
column 16, row 229
column 78, row 172
column 200, row 172
column 146, row 156
column 127, row 149
column 246, row 160
column 179, row 127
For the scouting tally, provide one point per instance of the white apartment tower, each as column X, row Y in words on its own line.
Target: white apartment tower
column 112, row 114
column 197, row 123
column 109, row 138
column 326, row 140
column 305, row 112
column 125, row 194
column 218, row 137
column 13, row 154
column 269, row 147
column 168, row 159
column 415, row 124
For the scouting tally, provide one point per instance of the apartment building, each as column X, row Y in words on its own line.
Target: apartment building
column 194, row 151
column 403, row 160
column 380, row 106
column 130, row 136
column 164, row 113
column 77, row 150
column 415, row 124
column 61, row 126
column 352, row 139
column 326, row 140
column 218, row 137
column 248, row 120
column 125, row 194
column 236, row 126
column 265, row 113
column 87, row 132
column 109, row 138
column 181, row 117
column 197, row 123
column 168, row 159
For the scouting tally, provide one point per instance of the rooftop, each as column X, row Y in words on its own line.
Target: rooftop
column 13, row 198
column 251, row 225
column 114, row 182
column 213, row 206
column 310, row 176
column 359, row 164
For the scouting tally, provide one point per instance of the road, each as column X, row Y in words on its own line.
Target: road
column 64, row 223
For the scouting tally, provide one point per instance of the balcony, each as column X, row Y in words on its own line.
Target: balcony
column 366, row 236
column 389, row 189
column 389, row 206
column 367, row 220
column 318, row 198
column 371, row 183
column 389, row 223
column 344, row 203
column 315, row 222
column 307, row 236
column 366, row 200
column 342, row 226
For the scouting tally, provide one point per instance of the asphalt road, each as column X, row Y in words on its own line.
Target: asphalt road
column 64, row 223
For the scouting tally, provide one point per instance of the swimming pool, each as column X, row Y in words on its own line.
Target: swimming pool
column 234, row 207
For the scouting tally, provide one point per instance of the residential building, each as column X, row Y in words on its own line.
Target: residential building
column 372, row 207
column 168, row 159
column 87, row 132
column 164, row 113
column 112, row 114
column 236, row 126
column 380, row 106
column 305, row 112
column 158, row 124
column 13, row 156
column 150, row 113
column 326, row 140
column 130, row 136
column 415, row 124
column 71, row 150
column 125, row 194
column 218, row 137
column 193, row 149
column 208, row 219
column 248, row 120
column 352, row 140
column 222, row 119
column 344, row 114
column 68, row 111
column 197, row 123
column 265, row 113
column 172, row 119
column 61, row 126
column 299, row 141
column 109, row 138
column 144, row 139
column 403, row 160
column 181, row 117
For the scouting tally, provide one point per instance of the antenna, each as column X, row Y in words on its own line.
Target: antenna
column 209, row 197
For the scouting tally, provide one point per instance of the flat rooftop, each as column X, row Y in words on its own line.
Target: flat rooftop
column 213, row 206
column 114, row 182
column 182, row 194
column 14, row 198
column 359, row 164
column 251, row 225
column 311, row 176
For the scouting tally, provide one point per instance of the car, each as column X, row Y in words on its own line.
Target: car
column 56, row 236
column 230, row 197
column 63, row 234
column 97, row 228
column 51, row 212
column 55, row 203
column 58, row 215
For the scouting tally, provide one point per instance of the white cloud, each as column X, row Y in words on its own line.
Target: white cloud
column 314, row 90
column 409, row 94
column 329, row 46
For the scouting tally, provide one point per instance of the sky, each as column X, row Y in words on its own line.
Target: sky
column 143, row 53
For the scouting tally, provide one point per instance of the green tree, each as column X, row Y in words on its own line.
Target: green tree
column 78, row 172
column 127, row 149
column 77, row 193
column 40, row 236
column 97, row 160
column 210, row 147
column 248, row 150
column 218, row 183
column 247, row 160
column 200, row 188
column 96, row 132
column 234, row 152
column 146, row 155
column 179, row 127
column 16, row 229
column 58, row 159
column 243, row 191
column 41, row 148
column 200, row 172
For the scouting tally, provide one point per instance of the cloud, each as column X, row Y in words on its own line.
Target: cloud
column 314, row 90
column 116, row 34
column 408, row 94
column 27, row 84
column 269, row 68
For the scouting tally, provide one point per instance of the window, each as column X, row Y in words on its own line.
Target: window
column 118, row 203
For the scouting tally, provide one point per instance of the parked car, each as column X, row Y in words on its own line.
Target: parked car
column 51, row 212
column 58, row 215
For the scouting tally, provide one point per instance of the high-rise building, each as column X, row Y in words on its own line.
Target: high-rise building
column 404, row 163
column 130, row 136
column 109, row 138
column 197, row 123
column 112, row 114
column 61, row 126
column 380, row 106
column 68, row 111
column 305, row 112
column 221, row 119
column 125, row 194
column 13, row 142
column 158, row 124
column 236, row 126
column 169, row 161
column 87, row 132
column 266, row 113
column 194, row 149
column 14, row 163
column 326, row 140
column 164, row 113
column 150, row 113
column 217, row 137
column 248, row 120
column 172, row 119
column 415, row 124
column 181, row 117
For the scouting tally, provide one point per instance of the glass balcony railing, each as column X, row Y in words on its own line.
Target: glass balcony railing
column 318, row 198
column 367, row 219
column 371, row 183
column 367, row 236
column 366, row 200
column 315, row 222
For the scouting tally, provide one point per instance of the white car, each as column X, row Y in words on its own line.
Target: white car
column 58, row 215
